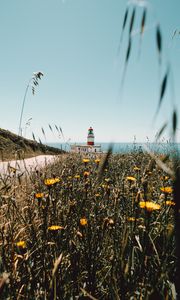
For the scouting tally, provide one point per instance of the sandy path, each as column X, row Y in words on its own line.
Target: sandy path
column 28, row 164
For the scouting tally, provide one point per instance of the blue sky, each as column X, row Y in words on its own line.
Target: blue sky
column 74, row 43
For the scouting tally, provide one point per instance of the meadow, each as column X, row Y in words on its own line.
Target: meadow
column 99, row 227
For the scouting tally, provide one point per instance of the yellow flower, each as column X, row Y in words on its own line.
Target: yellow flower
column 51, row 181
column 39, row 195
column 77, row 176
column 85, row 160
column 21, row 244
column 166, row 189
column 149, row 206
column 131, row 219
column 83, row 222
column 97, row 195
column 97, row 161
column 136, row 168
column 86, row 174
column 55, row 227
column 107, row 179
column 170, row 203
column 130, row 178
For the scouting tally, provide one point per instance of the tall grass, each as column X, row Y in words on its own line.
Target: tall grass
column 73, row 234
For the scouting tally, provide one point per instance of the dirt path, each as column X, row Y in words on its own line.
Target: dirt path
column 28, row 164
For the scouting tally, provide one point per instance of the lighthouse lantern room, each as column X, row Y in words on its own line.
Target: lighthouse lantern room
column 89, row 147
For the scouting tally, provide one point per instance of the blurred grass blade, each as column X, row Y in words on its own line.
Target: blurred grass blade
column 33, row 137
column 128, row 51
column 162, row 91
column 123, row 28
column 161, row 131
column 132, row 21
column 159, row 41
column 105, row 161
column 125, row 19
column 50, row 127
column 43, row 132
column 143, row 21
column 174, row 122
column 56, row 128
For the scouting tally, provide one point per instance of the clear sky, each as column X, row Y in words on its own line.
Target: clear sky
column 75, row 44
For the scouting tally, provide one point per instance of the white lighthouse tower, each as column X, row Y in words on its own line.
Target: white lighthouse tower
column 90, row 137
column 89, row 147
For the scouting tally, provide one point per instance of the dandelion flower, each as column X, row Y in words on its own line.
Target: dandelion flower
column 86, row 160
column 170, row 203
column 21, row 244
column 97, row 195
column 149, row 206
column 55, row 227
column 39, row 195
column 131, row 219
column 131, row 178
column 136, row 168
column 86, row 174
column 166, row 189
column 51, row 181
column 83, row 222
column 97, row 161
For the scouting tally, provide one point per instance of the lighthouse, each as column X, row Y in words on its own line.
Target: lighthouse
column 88, row 147
column 90, row 137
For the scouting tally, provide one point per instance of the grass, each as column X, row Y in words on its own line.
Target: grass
column 14, row 147
column 82, row 229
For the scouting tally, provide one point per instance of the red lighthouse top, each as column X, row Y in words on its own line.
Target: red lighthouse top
column 90, row 137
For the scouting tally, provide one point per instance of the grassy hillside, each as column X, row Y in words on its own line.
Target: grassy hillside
column 13, row 146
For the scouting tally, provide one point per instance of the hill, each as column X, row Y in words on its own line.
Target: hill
column 13, row 146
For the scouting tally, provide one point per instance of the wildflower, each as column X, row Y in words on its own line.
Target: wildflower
column 86, row 174
column 21, row 244
column 39, row 195
column 131, row 219
column 149, row 206
column 55, row 227
column 136, row 168
column 131, row 178
column 51, row 181
column 77, row 176
column 170, row 203
column 165, row 178
column 97, row 195
column 85, row 160
column 107, row 179
column 97, row 161
column 83, row 222
column 166, row 189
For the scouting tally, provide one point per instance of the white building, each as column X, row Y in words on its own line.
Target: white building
column 90, row 147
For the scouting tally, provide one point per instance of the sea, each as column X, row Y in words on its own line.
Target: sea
column 160, row 148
